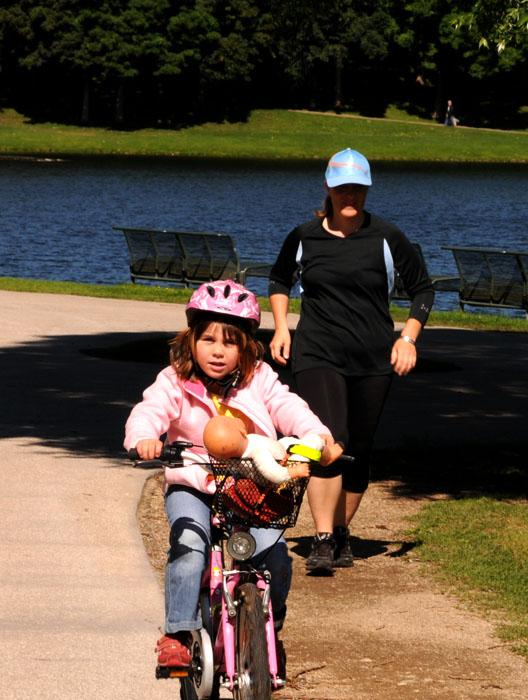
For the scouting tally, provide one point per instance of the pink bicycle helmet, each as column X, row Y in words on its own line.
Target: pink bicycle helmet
column 227, row 298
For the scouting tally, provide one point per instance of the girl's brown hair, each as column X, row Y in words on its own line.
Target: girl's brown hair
column 182, row 348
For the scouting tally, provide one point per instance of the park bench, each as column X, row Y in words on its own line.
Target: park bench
column 184, row 257
column 492, row 277
column 441, row 283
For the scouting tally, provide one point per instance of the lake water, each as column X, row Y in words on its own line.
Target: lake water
column 57, row 216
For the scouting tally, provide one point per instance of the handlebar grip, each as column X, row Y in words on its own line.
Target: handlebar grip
column 171, row 456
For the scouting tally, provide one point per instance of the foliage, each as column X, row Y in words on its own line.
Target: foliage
column 451, row 64
column 327, row 42
column 150, row 46
column 158, row 62
column 498, row 22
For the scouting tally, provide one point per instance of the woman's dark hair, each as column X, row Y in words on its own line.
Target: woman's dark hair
column 327, row 209
column 182, row 348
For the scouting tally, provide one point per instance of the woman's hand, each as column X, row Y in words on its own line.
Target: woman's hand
column 403, row 356
column 281, row 341
column 149, row 449
column 280, row 346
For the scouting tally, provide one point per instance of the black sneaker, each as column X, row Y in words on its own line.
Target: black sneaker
column 343, row 556
column 321, row 558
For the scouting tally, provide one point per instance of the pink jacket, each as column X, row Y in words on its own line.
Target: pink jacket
column 182, row 408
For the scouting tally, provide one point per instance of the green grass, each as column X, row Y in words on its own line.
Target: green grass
column 179, row 295
column 271, row 134
column 118, row 291
column 479, row 546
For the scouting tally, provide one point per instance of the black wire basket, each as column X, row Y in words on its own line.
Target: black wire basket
column 244, row 497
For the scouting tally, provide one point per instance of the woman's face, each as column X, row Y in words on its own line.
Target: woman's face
column 348, row 200
column 216, row 356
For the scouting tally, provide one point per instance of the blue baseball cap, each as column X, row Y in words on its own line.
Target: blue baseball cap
column 348, row 167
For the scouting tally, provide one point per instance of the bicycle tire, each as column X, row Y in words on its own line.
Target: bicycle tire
column 202, row 676
column 253, row 680
column 188, row 692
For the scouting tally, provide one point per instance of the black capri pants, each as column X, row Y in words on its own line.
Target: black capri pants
column 351, row 408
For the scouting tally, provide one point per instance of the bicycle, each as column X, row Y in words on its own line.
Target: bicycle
column 236, row 646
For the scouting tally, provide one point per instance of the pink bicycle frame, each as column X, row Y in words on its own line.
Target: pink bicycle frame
column 224, row 626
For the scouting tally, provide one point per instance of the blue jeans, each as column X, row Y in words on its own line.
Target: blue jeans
column 189, row 513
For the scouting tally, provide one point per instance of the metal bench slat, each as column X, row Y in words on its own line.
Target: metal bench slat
column 491, row 277
column 187, row 257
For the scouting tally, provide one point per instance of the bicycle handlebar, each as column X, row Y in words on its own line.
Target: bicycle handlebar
column 171, row 456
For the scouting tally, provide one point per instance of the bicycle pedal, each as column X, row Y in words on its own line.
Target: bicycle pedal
column 171, row 672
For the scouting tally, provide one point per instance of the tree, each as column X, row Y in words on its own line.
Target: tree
column 215, row 47
column 318, row 42
column 498, row 22
column 177, row 62
column 96, row 47
column 451, row 64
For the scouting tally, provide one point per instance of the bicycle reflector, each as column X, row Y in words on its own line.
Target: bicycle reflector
column 241, row 546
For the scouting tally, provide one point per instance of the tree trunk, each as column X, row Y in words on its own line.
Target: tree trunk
column 439, row 107
column 85, row 112
column 120, row 103
column 338, row 86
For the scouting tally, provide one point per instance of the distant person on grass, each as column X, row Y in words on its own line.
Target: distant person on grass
column 450, row 119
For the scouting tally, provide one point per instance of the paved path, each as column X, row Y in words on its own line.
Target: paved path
column 80, row 607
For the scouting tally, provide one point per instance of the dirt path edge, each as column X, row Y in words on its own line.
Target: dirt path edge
column 381, row 629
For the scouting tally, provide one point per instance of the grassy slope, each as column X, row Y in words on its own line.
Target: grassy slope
column 272, row 134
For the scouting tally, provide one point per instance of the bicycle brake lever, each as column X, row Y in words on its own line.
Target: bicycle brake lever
column 148, row 464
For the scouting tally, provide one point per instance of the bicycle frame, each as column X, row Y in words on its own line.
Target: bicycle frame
column 243, row 499
column 221, row 585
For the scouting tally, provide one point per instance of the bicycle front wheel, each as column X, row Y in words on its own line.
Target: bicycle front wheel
column 252, row 668
column 188, row 691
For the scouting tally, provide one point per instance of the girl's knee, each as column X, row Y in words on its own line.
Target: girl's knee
column 187, row 540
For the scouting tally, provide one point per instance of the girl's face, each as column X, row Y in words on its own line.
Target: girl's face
column 216, row 355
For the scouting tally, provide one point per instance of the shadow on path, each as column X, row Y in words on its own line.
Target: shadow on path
column 458, row 423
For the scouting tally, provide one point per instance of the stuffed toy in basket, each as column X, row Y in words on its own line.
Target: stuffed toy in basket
column 261, row 487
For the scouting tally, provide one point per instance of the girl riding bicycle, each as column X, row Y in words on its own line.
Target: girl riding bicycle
column 216, row 368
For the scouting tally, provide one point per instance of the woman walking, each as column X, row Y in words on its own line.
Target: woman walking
column 344, row 353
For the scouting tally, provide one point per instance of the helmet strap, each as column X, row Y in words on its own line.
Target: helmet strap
column 219, row 386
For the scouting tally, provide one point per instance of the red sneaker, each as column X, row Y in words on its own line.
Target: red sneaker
column 173, row 650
